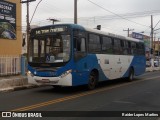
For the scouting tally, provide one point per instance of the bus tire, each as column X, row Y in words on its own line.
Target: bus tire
column 131, row 75
column 93, row 78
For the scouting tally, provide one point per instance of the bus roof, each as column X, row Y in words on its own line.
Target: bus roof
column 105, row 33
column 75, row 26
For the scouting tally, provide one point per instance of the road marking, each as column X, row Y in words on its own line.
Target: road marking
column 77, row 96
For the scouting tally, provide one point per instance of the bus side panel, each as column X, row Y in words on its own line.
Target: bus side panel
column 139, row 63
column 114, row 66
column 109, row 67
column 83, row 68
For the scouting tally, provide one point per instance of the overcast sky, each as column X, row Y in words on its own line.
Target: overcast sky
column 114, row 15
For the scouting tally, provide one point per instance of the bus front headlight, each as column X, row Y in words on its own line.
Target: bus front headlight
column 65, row 73
column 29, row 73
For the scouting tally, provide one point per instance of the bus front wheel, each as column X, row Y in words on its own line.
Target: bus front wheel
column 92, row 80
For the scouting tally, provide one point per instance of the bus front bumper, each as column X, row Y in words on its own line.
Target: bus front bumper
column 61, row 81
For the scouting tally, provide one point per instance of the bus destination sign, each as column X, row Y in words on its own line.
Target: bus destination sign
column 50, row 30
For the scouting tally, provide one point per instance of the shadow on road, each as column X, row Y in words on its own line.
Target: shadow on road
column 83, row 88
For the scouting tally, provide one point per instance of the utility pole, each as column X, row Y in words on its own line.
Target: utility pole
column 152, row 45
column 158, row 47
column 28, row 25
column 158, row 52
column 53, row 20
column 128, row 30
column 75, row 11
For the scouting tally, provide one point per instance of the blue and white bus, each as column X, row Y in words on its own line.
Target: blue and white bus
column 72, row 55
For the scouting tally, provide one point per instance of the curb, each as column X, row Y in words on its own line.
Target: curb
column 17, row 88
column 15, row 83
column 152, row 69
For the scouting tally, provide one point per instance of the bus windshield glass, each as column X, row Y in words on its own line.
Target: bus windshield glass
column 53, row 48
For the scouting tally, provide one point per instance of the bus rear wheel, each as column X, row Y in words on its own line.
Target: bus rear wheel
column 131, row 74
column 92, row 80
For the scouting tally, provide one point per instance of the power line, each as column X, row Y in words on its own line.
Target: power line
column 96, row 17
column 111, row 17
column 156, row 24
column 35, row 10
column 157, row 29
column 115, row 14
column 50, row 7
column 47, row 6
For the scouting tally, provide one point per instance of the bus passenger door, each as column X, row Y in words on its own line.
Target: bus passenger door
column 80, row 60
column 79, row 49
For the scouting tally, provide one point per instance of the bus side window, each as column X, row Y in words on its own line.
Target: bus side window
column 129, row 47
column 94, row 43
column 124, row 46
column 81, row 45
column 133, row 48
column 107, row 45
column 141, row 49
column 117, row 47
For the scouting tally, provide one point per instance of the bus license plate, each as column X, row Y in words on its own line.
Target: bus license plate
column 45, row 80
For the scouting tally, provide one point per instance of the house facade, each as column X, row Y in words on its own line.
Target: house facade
column 10, row 37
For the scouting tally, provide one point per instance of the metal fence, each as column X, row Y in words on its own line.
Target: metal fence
column 10, row 65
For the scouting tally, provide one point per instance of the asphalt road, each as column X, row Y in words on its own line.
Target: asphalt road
column 119, row 96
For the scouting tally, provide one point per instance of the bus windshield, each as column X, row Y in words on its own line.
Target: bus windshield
column 50, row 48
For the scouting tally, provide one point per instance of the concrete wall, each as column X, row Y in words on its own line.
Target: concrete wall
column 13, row 47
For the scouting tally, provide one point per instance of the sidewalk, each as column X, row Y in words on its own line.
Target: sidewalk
column 151, row 69
column 12, row 83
